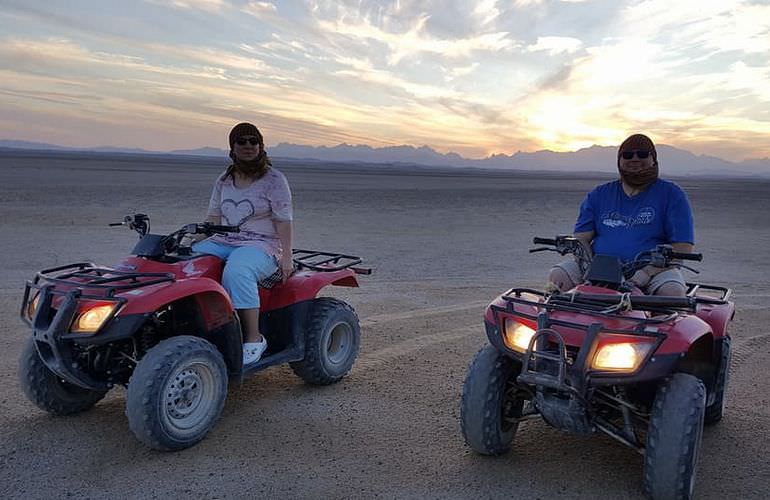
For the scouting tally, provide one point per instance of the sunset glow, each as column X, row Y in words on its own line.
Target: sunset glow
column 476, row 78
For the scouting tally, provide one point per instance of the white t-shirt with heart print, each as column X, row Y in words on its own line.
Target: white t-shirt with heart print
column 253, row 209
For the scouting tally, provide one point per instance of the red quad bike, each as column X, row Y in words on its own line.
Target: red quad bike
column 161, row 324
column 648, row 371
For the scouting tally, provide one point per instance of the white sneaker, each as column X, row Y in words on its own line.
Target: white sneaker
column 252, row 351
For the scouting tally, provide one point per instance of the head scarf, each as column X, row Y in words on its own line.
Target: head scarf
column 256, row 167
column 638, row 177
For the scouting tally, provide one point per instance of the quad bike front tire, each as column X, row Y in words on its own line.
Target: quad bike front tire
column 674, row 438
column 716, row 409
column 176, row 393
column 47, row 390
column 491, row 404
column 332, row 340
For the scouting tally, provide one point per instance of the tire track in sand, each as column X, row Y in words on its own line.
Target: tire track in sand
column 387, row 354
column 745, row 349
column 378, row 319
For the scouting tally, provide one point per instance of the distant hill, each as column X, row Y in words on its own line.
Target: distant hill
column 673, row 161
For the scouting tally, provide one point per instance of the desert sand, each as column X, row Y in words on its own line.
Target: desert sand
column 442, row 244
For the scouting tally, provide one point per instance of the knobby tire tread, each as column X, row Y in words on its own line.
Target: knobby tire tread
column 311, row 368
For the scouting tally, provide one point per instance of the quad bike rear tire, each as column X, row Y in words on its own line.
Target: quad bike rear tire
column 716, row 409
column 332, row 340
column 47, row 390
column 490, row 404
column 176, row 393
column 674, row 438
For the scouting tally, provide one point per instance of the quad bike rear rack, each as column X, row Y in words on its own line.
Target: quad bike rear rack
column 315, row 260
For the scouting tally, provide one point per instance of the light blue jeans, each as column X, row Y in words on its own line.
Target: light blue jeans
column 244, row 267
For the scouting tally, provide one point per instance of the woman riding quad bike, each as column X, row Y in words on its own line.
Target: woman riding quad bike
column 161, row 324
column 648, row 371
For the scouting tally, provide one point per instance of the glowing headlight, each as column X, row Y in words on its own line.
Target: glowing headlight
column 92, row 319
column 516, row 335
column 624, row 356
column 32, row 305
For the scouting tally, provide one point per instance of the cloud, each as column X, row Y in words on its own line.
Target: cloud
column 487, row 11
column 408, row 71
column 259, row 9
column 556, row 45
column 414, row 40
column 363, row 71
column 204, row 5
column 460, row 71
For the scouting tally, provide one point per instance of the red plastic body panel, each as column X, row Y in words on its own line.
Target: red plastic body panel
column 197, row 277
column 201, row 277
column 304, row 285
column 681, row 332
column 717, row 316
column 206, row 266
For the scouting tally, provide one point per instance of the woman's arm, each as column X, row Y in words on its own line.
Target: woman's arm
column 284, row 230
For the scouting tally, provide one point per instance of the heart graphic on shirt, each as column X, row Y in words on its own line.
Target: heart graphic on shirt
column 235, row 213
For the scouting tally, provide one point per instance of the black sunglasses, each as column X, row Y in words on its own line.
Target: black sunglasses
column 241, row 141
column 642, row 154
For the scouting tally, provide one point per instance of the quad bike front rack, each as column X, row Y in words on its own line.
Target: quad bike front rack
column 84, row 275
column 84, row 280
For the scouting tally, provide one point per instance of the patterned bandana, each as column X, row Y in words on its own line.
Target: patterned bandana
column 638, row 177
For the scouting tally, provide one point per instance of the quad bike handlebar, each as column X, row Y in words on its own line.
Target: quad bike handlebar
column 172, row 243
column 209, row 229
column 137, row 222
column 661, row 256
column 564, row 244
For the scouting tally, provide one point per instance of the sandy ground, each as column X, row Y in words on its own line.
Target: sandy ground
column 442, row 245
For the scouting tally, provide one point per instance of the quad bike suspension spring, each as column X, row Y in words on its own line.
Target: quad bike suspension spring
column 147, row 338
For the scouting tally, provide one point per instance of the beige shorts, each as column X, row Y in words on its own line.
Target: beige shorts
column 672, row 274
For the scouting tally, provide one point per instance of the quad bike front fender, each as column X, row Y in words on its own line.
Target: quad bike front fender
column 302, row 286
column 718, row 316
column 685, row 332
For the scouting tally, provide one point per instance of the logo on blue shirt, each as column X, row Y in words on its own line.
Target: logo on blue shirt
column 646, row 215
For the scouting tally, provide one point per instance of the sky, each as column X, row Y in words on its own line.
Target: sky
column 475, row 78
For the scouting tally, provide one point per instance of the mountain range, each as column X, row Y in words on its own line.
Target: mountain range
column 673, row 161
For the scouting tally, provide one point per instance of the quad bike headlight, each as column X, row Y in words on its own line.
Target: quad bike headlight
column 90, row 320
column 517, row 335
column 620, row 356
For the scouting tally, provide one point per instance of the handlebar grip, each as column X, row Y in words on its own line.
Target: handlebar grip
column 224, row 229
column 687, row 256
column 115, row 223
column 543, row 241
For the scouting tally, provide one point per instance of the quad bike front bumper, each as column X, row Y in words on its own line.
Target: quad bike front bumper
column 51, row 321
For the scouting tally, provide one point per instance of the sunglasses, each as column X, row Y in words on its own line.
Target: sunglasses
column 640, row 153
column 241, row 141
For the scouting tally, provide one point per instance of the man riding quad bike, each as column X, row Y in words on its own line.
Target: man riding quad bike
column 648, row 371
column 161, row 324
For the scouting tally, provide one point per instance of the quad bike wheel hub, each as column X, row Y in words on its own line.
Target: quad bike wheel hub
column 188, row 396
column 340, row 342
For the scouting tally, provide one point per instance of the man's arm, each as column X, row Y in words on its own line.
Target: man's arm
column 683, row 247
column 586, row 237
column 645, row 274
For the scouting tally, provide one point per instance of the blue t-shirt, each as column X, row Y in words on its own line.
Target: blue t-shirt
column 625, row 226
